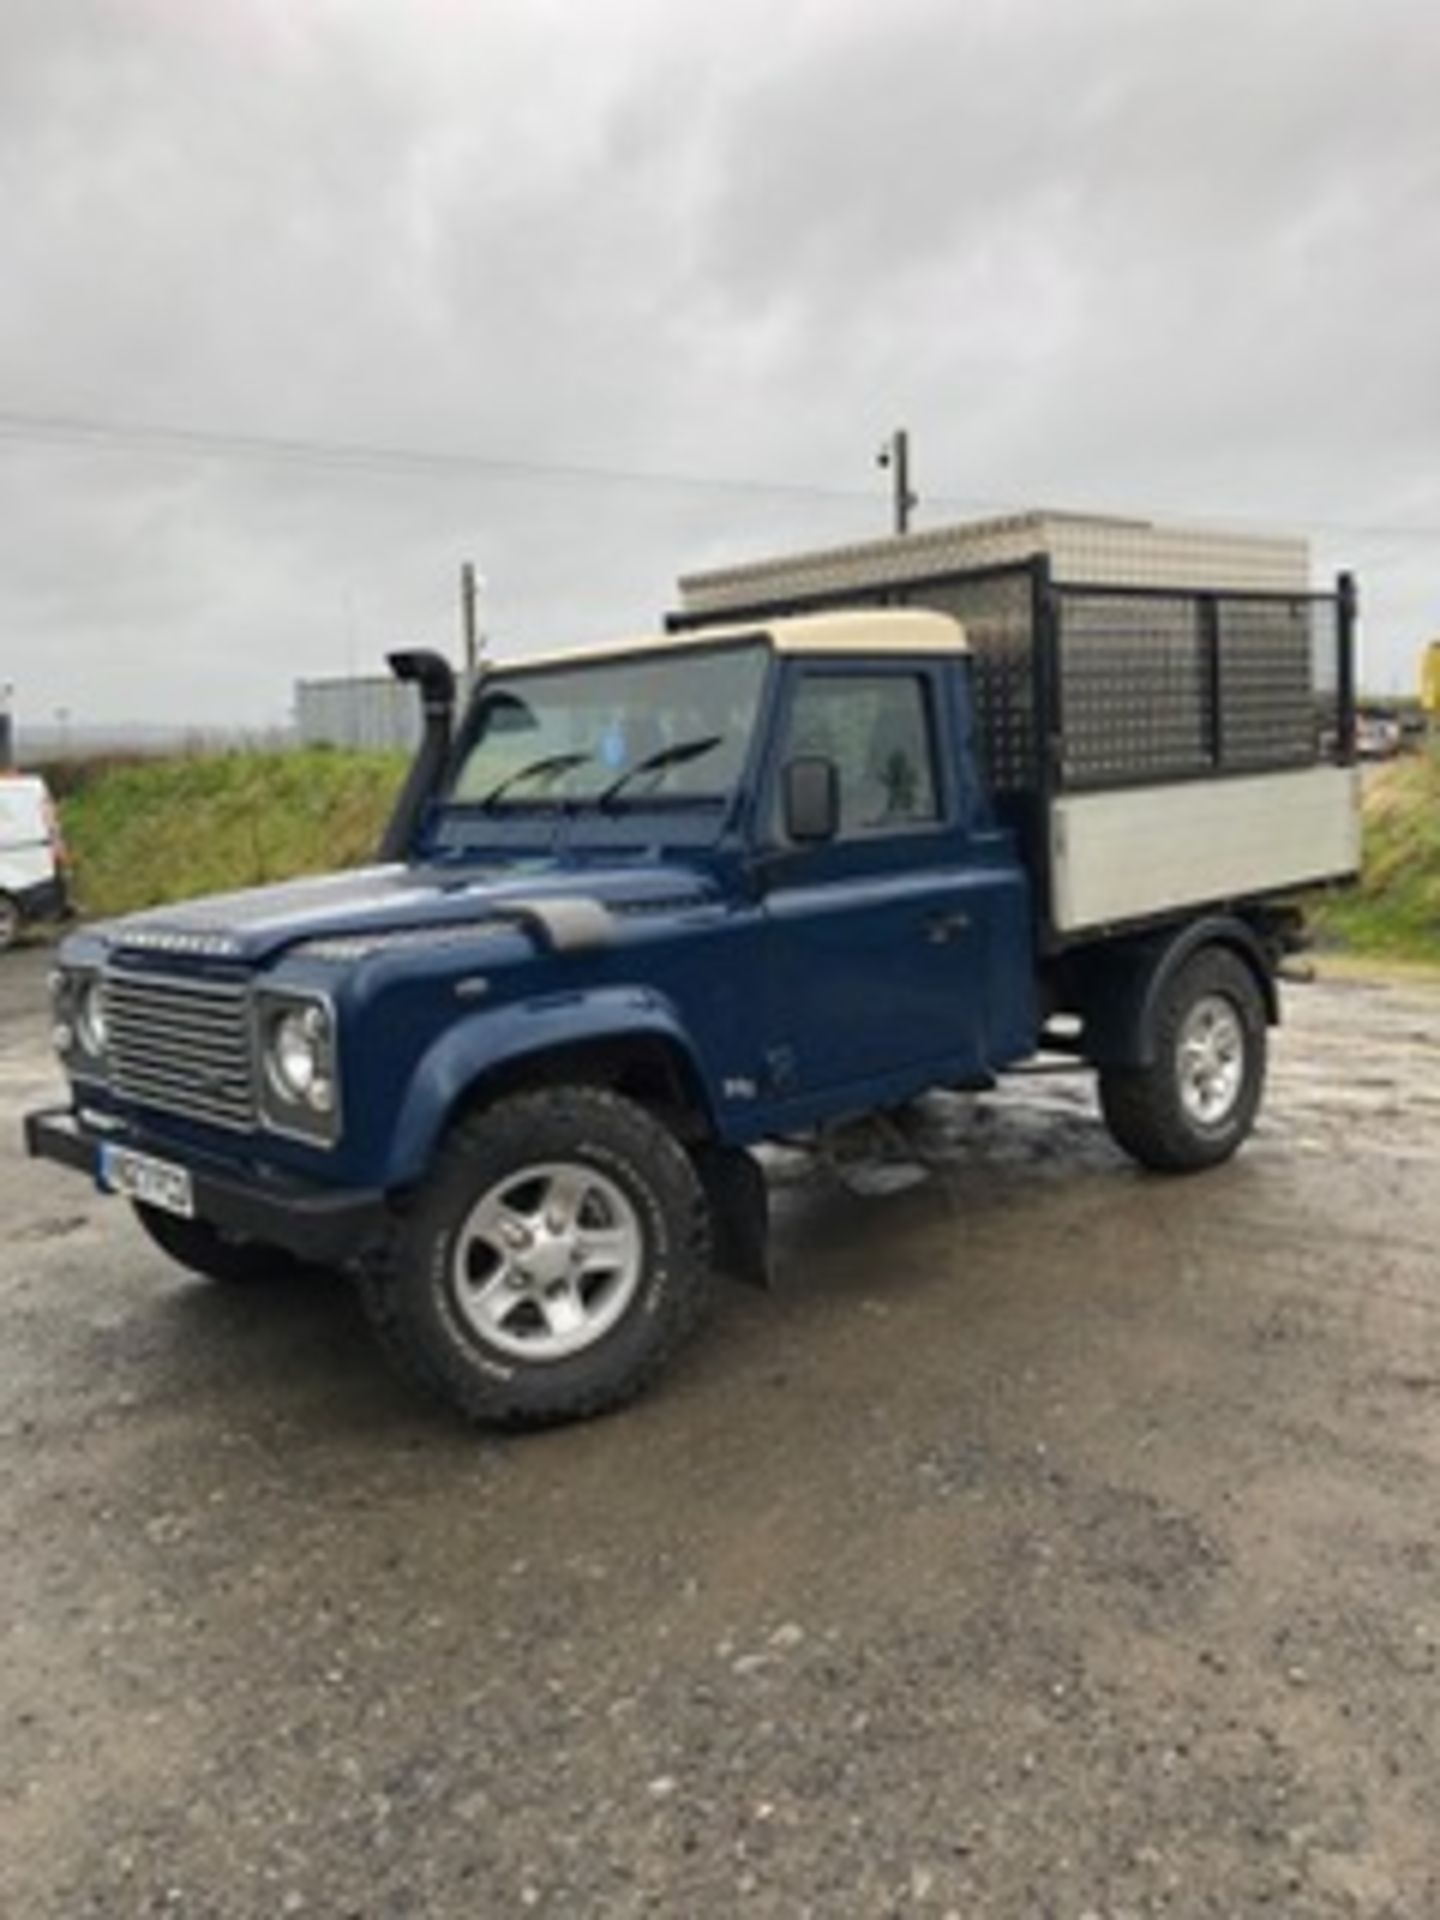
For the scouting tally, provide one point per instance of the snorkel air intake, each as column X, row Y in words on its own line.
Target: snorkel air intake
column 436, row 681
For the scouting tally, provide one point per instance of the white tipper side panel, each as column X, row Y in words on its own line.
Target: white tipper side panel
column 1084, row 549
column 1127, row 853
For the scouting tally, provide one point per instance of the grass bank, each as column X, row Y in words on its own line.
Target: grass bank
column 145, row 832
column 1395, row 910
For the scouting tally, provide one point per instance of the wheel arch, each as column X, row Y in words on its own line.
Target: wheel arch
column 632, row 1044
column 1117, row 989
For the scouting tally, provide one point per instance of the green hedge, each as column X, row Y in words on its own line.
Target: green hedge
column 151, row 831
column 1395, row 910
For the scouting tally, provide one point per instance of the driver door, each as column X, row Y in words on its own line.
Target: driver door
column 875, row 938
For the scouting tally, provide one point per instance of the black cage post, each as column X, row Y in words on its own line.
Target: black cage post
column 1214, row 672
column 1346, row 605
column 1046, row 670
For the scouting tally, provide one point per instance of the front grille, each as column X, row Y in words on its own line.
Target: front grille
column 182, row 1045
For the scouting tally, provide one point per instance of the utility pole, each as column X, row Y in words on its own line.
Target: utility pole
column 895, row 455
column 470, row 619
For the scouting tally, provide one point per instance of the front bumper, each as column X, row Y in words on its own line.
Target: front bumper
column 325, row 1225
column 46, row 900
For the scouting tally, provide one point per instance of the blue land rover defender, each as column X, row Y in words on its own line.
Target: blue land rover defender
column 644, row 907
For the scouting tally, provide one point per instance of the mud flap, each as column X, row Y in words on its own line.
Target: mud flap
column 739, row 1212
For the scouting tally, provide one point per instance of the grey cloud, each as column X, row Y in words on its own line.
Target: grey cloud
column 1177, row 257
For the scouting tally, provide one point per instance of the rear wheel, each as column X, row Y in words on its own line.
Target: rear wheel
column 205, row 1250
column 552, row 1263
column 1197, row 1100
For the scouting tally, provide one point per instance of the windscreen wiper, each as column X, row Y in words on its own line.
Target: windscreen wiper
column 656, row 762
column 548, row 768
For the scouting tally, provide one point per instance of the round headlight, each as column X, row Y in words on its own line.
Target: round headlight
column 296, row 1051
column 90, row 1027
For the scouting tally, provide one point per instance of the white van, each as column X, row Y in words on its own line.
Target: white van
column 32, row 856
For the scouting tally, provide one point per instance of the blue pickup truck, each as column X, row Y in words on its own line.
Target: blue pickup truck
column 645, row 907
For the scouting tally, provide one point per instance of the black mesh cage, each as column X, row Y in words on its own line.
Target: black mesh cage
column 1157, row 686
column 1330, row 668
column 1267, row 681
column 997, row 613
column 1129, row 686
column 1134, row 688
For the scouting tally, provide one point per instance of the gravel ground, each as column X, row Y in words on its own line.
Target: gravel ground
column 1055, row 1541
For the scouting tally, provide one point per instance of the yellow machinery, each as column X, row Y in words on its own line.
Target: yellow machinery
column 1430, row 681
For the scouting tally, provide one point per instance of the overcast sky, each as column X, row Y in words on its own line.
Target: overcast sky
column 1136, row 254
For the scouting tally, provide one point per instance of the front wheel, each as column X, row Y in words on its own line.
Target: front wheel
column 551, row 1264
column 1197, row 1100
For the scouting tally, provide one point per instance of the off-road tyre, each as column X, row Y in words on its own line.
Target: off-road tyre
column 205, row 1250
column 409, row 1290
column 1144, row 1107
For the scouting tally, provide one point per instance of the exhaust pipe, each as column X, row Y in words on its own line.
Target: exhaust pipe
column 436, row 681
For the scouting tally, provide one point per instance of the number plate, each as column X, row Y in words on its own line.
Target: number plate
column 154, row 1182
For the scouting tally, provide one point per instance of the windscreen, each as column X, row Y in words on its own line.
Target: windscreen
column 665, row 727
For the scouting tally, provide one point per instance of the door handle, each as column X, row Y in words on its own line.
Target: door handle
column 943, row 927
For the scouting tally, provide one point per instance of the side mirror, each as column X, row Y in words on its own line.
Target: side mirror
column 810, row 787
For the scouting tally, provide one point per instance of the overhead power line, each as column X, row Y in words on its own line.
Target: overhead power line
column 195, row 442
column 137, row 436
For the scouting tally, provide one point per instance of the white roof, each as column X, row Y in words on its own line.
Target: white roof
column 901, row 630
